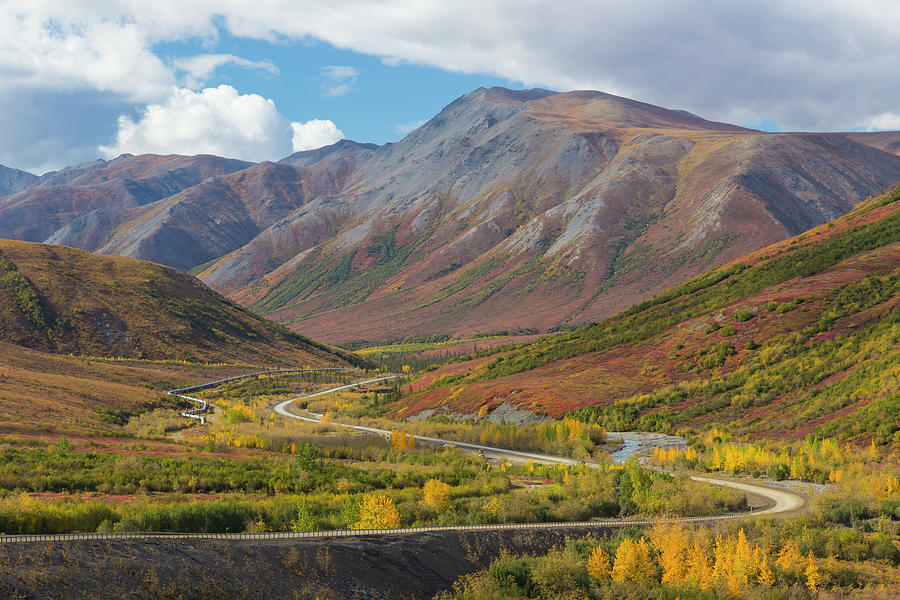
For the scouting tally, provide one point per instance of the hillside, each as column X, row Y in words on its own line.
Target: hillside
column 798, row 338
column 58, row 299
column 509, row 210
column 44, row 394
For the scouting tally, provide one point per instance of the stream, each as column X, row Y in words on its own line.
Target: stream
column 635, row 442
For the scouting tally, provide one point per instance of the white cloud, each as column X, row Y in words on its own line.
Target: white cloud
column 219, row 121
column 200, row 68
column 214, row 121
column 884, row 122
column 38, row 51
column 338, row 80
column 314, row 134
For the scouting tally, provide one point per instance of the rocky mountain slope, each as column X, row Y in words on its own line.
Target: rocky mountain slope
column 508, row 210
column 14, row 180
column 800, row 337
column 63, row 300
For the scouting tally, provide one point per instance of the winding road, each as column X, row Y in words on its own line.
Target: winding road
column 782, row 501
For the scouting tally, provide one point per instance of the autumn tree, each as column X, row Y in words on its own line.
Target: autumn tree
column 400, row 440
column 670, row 540
column 377, row 512
column 437, row 494
column 632, row 562
column 813, row 577
column 722, row 554
column 764, row 575
column 789, row 557
column 598, row 564
column 699, row 571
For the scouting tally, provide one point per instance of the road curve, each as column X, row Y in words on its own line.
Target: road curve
column 284, row 409
column 784, row 501
column 203, row 405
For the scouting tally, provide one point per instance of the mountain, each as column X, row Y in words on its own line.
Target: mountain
column 14, row 180
column 801, row 337
column 79, row 206
column 889, row 141
column 528, row 210
column 212, row 218
column 63, row 300
column 509, row 210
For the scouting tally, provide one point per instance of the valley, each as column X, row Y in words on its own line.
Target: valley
column 548, row 345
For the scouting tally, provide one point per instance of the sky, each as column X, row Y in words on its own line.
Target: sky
column 260, row 79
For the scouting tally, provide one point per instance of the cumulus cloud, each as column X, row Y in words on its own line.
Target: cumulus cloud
column 213, row 121
column 338, row 80
column 218, row 121
column 201, row 67
column 314, row 134
column 39, row 52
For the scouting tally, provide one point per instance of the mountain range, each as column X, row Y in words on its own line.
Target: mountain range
column 509, row 210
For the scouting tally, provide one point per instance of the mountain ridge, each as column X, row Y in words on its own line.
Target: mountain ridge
column 509, row 209
column 15, row 180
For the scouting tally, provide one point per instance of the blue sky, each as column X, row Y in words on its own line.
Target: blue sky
column 382, row 101
column 259, row 79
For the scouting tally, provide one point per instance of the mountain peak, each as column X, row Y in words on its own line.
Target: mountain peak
column 310, row 157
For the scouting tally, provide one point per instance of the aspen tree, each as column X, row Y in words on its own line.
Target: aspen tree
column 377, row 512
column 813, row 577
column 632, row 562
column 742, row 565
column 789, row 557
column 670, row 539
column 699, row 572
column 721, row 559
column 598, row 564
column 437, row 494
column 764, row 574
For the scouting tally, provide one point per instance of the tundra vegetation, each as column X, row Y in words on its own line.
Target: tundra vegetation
column 351, row 481
column 810, row 557
column 800, row 338
column 847, row 546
